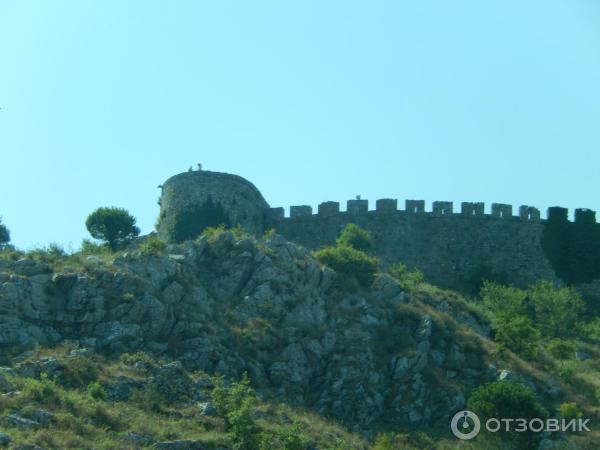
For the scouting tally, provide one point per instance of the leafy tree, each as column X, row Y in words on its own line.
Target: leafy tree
column 558, row 311
column 508, row 400
column 504, row 301
column 236, row 403
column 4, row 234
column 356, row 237
column 518, row 334
column 113, row 225
column 408, row 279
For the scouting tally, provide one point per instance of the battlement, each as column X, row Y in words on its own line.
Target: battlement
column 476, row 210
column 449, row 246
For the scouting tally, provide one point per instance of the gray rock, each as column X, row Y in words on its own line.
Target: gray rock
column 207, row 409
column 5, row 385
column 143, row 439
column 41, row 416
column 4, row 439
column 582, row 354
column 29, row 267
column 15, row 420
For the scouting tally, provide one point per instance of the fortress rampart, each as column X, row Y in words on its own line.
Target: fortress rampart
column 452, row 248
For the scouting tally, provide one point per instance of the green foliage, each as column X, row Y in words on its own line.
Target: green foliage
column 43, row 391
column 236, row 403
column 4, row 234
column 503, row 301
column 507, row 400
column 558, row 311
column 78, row 372
column 518, row 334
column 268, row 234
column 290, row 438
column 561, row 349
column 153, row 245
column 113, row 225
column 591, row 330
column 350, row 262
column 356, row 237
column 569, row 410
column 520, row 317
column 96, row 391
column 149, row 399
column 213, row 233
column 50, row 254
column 89, row 248
column 408, row 279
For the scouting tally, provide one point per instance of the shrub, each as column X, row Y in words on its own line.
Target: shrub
column 569, row 410
column 4, row 234
column 561, row 349
column 291, row 438
column 96, row 391
column 356, row 237
column 236, row 404
column 558, row 311
column 408, row 279
column 113, row 225
column 78, row 372
column 91, row 248
column 503, row 301
column 153, row 245
column 518, row 334
column 350, row 262
column 507, row 400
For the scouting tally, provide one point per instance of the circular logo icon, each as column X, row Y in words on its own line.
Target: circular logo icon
column 465, row 425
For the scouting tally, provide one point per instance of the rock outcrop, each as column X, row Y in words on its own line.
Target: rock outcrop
column 236, row 304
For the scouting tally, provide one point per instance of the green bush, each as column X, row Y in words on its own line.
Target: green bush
column 356, row 237
column 408, row 279
column 89, row 248
column 569, row 410
column 290, row 438
column 4, row 234
column 96, row 391
column 350, row 262
column 558, row 311
column 153, row 245
column 503, row 301
column 507, row 400
column 518, row 334
column 561, row 349
column 236, row 403
column 113, row 225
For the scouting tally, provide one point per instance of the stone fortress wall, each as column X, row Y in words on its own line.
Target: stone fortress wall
column 451, row 248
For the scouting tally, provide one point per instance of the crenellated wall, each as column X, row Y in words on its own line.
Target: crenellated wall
column 451, row 248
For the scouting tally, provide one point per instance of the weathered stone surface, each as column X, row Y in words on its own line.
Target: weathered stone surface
column 236, row 305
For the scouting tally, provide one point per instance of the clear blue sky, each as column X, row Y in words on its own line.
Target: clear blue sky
column 471, row 100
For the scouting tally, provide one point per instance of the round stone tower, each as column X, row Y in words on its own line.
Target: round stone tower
column 192, row 201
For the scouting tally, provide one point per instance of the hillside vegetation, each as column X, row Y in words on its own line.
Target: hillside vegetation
column 232, row 341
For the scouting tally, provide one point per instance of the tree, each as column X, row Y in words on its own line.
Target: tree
column 356, row 237
column 558, row 311
column 4, row 234
column 508, row 400
column 113, row 225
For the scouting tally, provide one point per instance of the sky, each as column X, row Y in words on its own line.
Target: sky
column 470, row 100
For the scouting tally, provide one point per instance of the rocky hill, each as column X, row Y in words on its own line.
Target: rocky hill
column 386, row 358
